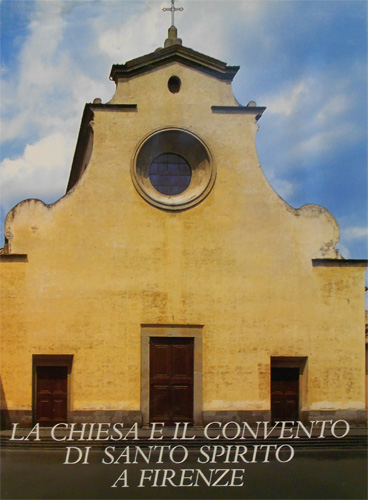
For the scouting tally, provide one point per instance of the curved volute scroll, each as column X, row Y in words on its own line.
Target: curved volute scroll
column 23, row 223
column 320, row 231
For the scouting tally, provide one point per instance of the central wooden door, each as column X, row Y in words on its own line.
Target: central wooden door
column 284, row 393
column 171, row 379
column 51, row 394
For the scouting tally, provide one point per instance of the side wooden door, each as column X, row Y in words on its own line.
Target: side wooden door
column 171, row 379
column 51, row 395
column 284, row 393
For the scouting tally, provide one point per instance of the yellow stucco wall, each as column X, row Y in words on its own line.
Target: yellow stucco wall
column 102, row 262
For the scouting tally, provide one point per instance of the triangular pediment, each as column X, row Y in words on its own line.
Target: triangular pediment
column 174, row 53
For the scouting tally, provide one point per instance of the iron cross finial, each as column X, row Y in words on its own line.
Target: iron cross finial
column 172, row 9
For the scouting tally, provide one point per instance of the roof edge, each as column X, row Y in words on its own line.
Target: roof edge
column 257, row 111
column 14, row 257
column 174, row 53
column 340, row 262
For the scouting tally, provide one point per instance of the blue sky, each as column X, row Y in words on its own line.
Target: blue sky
column 304, row 60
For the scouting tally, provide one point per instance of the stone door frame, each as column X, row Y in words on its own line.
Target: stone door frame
column 300, row 362
column 50, row 360
column 191, row 331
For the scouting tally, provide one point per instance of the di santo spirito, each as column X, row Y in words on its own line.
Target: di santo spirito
column 104, row 431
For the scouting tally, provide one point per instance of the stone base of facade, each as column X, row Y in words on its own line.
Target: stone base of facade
column 250, row 416
column 22, row 417
column 25, row 419
column 128, row 417
column 353, row 417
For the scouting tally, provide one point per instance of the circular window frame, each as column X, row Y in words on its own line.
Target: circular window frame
column 185, row 144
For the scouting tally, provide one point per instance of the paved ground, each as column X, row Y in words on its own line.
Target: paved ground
column 325, row 474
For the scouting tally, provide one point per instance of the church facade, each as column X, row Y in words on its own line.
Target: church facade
column 171, row 283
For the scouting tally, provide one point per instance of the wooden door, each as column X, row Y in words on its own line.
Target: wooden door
column 171, row 379
column 51, row 394
column 284, row 393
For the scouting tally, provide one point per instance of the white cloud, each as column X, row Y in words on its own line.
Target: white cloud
column 335, row 106
column 27, row 100
column 146, row 29
column 344, row 251
column 339, row 133
column 314, row 113
column 289, row 100
column 48, row 94
column 138, row 35
column 284, row 188
column 213, row 30
column 41, row 172
column 39, row 62
column 353, row 233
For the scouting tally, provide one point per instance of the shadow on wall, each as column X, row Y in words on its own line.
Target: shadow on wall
column 4, row 414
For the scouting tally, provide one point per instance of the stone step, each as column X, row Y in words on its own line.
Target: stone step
column 348, row 442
